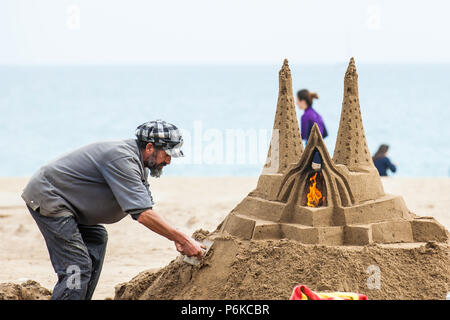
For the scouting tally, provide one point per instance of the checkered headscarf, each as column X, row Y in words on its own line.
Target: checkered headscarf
column 163, row 135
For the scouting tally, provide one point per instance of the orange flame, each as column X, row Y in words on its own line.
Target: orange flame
column 314, row 194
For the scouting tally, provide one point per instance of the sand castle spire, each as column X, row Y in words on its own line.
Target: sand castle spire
column 351, row 146
column 286, row 145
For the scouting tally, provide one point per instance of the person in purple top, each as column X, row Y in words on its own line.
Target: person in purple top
column 382, row 162
column 310, row 116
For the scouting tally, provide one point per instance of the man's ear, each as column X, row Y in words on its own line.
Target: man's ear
column 150, row 147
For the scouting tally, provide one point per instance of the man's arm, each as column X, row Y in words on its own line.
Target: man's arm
column 184, row 244
column 124, row 178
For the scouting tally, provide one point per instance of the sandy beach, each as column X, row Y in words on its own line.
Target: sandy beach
column 189, row 203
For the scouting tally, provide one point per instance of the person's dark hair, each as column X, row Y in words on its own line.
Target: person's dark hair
column 157, row 145
column 381, row 152
column 143, row 144
column 304, row 94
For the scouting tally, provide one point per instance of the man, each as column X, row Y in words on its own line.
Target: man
column 100, row 183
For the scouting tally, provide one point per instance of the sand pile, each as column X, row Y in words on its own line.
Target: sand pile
column 29, row 290
column 269, row 269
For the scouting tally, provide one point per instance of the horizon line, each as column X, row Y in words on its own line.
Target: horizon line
column 153, row 64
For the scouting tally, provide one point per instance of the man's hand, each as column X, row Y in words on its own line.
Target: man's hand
column 189, row 247
column 184, row 244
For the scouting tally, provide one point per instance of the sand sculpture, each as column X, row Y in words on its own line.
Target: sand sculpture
column 319, row 228
column 342, row 203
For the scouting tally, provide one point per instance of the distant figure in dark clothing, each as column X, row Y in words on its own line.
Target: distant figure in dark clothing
column 310, row 116
column 382, row 162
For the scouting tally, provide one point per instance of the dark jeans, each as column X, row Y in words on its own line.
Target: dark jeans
column 76, row 252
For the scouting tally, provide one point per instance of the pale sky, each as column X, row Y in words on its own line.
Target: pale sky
column 216, row 31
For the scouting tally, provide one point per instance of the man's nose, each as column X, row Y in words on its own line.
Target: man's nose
column 168, row 159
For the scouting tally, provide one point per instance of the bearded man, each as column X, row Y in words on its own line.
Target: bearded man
column 101, row 183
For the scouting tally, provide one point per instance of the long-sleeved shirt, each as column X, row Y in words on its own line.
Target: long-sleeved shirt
column 383, row 164
column 309, row 117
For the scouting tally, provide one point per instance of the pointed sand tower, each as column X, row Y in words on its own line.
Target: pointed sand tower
column 351, row 146
column 351, row 153
column 286, row 144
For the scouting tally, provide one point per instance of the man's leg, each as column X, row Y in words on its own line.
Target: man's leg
column 95, row 237
column 68, row 254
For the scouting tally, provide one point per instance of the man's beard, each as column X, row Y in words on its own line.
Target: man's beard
column 155, row 169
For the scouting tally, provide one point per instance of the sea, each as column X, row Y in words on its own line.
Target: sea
column 225, row 112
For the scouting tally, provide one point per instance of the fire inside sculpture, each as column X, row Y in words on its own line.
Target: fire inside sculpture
column 340, row 203
column 315, row 197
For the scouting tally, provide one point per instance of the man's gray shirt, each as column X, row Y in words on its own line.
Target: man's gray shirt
column 99, row 183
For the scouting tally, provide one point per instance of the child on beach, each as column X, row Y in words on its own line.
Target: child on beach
column 310, row 116
column 382, row 162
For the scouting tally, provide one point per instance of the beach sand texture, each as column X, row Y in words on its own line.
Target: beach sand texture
column 189, row 203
